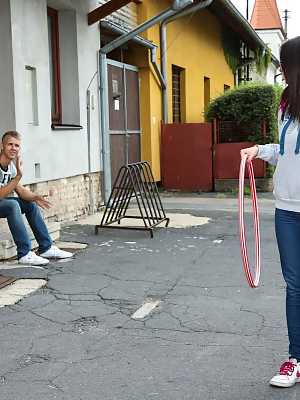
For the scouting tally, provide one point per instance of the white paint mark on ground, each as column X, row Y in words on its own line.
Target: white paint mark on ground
column 14, row 266
column 71, row 245
column 107, row 244
column 218, row 241
column 146, row 309
column 130, row 242
column 64, row 260
column 14, row 292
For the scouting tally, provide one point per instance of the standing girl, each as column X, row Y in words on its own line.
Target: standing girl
column 286, row 157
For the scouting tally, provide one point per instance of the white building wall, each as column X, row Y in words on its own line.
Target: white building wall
column 7, row 110
column 273, row 38
column 59, row 153
column 268, row 77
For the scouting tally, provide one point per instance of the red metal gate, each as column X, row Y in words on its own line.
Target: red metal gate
column 229, row 139
column 227, row 161
column 186, row 156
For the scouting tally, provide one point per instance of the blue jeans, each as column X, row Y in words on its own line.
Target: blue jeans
column 287, row 226
column 12, row 208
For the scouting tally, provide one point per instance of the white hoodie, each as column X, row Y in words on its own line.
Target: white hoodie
column 286, row 157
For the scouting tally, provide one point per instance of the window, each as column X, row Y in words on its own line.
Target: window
column 206, row 92
column 178, row 94
column 54, row 61
column 226, row 87
column 63, row 62
column 31, row 95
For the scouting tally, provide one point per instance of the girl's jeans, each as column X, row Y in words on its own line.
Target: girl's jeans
column 12, row 208
column 287, row 225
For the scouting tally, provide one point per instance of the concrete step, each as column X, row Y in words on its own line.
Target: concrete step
column 7, row 246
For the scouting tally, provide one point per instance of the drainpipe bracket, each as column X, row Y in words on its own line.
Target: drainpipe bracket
column 179, row 4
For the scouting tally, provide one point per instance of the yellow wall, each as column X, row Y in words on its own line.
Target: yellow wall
column 193, row 43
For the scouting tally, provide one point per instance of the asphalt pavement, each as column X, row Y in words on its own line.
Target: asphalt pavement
column 200, row 332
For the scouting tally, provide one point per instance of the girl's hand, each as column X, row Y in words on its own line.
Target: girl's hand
column 250, row 152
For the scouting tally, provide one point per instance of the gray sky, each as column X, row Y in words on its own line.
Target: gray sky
column 291, row 5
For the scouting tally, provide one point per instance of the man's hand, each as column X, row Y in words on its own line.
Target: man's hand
column 250, row 152
column 19, row 166
column 42, row 202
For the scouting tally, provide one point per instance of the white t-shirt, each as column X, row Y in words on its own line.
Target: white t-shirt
column 8, row 175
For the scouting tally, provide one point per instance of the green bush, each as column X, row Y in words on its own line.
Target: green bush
column 249, row 105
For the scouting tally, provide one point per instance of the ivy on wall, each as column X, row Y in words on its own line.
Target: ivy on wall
column 232, row 48
column 263, row 58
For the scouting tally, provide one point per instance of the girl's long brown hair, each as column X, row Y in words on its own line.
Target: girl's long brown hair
column 290, row 64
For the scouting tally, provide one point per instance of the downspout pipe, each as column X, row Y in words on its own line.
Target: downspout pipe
column 141, row 41
column 162, row 81
column 169, row 12
column 163, row 48
column 104, row 110
column 88, row 125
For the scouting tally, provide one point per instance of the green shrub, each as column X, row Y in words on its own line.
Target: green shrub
column 249, row 105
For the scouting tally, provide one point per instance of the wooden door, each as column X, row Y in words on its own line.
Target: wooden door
column 124, row 115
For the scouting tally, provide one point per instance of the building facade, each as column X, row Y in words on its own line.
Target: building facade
column 195, row 66
column 267, row 23
column 52, row 87
column 48, row 61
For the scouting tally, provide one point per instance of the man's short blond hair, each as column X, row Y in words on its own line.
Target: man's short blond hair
column 13, row 134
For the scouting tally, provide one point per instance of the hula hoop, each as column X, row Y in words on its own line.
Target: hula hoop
column 252, row 281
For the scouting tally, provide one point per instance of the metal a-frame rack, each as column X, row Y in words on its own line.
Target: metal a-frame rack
column 134, row 181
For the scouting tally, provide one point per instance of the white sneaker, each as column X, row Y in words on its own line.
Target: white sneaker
column 288, row 375
column 32, row 259
column 55, row 252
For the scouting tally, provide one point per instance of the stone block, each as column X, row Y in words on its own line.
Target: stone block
column 7, row 246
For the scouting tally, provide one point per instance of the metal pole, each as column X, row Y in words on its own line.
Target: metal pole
column 163, row 60
column 286, row 17
column 104, row 126
column 152, row 47
column 176, row 6
column 88, row 106
column 127, row 138
column 141, row 28
column 88, row 125
column 156, row 69
column 163, row 48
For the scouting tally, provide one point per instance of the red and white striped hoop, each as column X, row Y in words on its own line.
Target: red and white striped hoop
column 252, row 281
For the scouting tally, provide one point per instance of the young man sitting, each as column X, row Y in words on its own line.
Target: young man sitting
column 27, row 203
